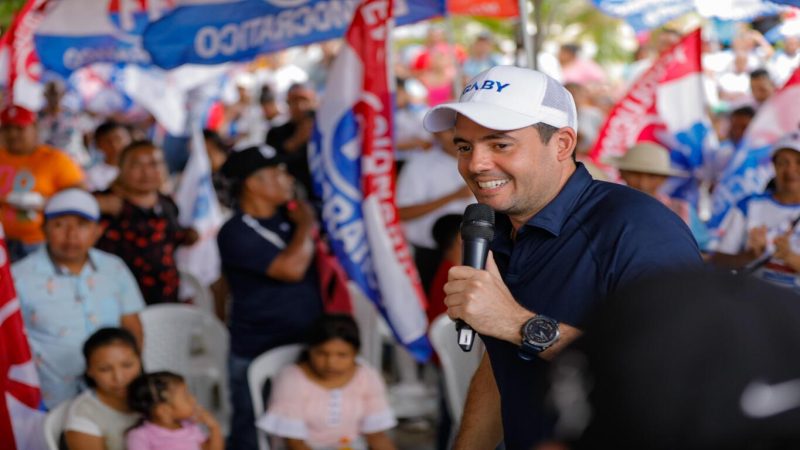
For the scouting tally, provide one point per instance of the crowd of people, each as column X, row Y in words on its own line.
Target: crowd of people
column 92, row 230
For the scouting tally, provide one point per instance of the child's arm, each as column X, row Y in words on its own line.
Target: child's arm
column 82, row 441
column 215, row 440
column 379, row 441
column 296, row 444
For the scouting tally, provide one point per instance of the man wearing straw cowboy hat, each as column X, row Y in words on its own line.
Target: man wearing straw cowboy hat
column 646, row 167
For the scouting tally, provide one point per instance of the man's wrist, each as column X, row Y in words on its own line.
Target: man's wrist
column 513, row 334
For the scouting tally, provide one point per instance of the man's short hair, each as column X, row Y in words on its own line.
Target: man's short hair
column 760, row 73
column 105, row 128
column 546, row 132
column 746, row 111
column 134, row 146
column 571, row 48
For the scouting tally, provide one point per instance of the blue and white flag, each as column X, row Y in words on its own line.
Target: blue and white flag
column 648, row 14
column 77, row 33
column 199, row 209
column 352, row 162
column 751, row 168
column 210, row 33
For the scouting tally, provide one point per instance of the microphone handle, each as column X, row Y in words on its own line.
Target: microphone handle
column 474, row 254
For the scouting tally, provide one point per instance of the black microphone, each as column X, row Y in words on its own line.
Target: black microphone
column 477, row 232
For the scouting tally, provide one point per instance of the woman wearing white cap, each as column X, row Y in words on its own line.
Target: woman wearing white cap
column 646, row 167
column 761, row 232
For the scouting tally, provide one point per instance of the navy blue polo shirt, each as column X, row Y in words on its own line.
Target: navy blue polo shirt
column 593, row 238
column 265, row 312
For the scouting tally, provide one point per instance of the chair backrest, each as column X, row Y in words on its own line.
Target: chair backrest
column 54, row 425
column 457, row 366
column 369, row 327
column 263, row 368
column 191, row 287
column 171, row 335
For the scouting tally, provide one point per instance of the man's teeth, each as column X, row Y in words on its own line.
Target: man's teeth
column 491, row 184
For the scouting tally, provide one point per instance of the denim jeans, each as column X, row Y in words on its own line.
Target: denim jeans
column 243, row 430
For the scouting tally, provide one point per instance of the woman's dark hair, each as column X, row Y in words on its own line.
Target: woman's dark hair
column 149, row 390
column 333, row 326
column 103, row 338
column 132, row 147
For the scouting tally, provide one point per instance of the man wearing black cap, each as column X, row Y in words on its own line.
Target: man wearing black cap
column 266, row 250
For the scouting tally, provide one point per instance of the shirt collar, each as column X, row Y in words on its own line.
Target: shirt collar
column 552, row 217
column 45, row 264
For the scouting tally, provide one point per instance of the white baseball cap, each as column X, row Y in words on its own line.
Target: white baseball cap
column 72, row 201
column 790, row 141
column 508, row 98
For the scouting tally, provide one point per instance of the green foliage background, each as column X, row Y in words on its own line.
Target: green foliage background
column 7, row 10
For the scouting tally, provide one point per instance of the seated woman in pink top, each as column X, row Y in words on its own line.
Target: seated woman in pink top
column 171, row 416
column 328, row 400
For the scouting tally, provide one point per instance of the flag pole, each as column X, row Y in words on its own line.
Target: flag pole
column 530, row 60
column 453, row 55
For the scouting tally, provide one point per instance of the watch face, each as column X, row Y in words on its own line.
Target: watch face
column 541, row 331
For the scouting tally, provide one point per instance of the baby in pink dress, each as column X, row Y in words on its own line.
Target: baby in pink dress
column 329, row 400
column 171, row 416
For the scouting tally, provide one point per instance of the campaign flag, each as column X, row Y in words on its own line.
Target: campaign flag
column 199, row 209
column 665, row 105
column 20, row 419
column 77, row 33
column 484, row 8
column 750, row 168
column 20, row 68
column 648, row 14
column 352, row 163
column 200, row 32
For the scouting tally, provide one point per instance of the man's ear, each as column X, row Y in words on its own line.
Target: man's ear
column 565, row 140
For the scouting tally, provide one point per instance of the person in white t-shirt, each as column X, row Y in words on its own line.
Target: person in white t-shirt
column 786, row 60
column 428, row 188
column 761, row 233
column 98, row 418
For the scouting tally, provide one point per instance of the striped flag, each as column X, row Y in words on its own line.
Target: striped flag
column 20, row 419
column 20, row 68
column 665, row 105
column 352, row 163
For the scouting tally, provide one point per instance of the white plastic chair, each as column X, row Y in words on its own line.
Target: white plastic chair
column 369, row 326
column 264, row 367
column 192, row 288
column 457, row 366
column 186, row 340
column 54, row 424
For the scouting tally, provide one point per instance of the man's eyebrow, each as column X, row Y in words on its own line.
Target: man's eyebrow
column 488, row 137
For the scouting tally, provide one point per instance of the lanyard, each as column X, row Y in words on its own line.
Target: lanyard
column 268, row 235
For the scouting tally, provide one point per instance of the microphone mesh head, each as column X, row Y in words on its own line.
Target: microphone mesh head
column 478, row 222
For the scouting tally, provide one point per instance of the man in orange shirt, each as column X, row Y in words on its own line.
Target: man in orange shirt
column 29, row 174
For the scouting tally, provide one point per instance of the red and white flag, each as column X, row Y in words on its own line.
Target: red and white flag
column 20, row 69
column 20, row 419
column 665, row 105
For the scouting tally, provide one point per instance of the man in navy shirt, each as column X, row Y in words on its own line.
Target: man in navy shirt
column 266, row 251
column 563, row 243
